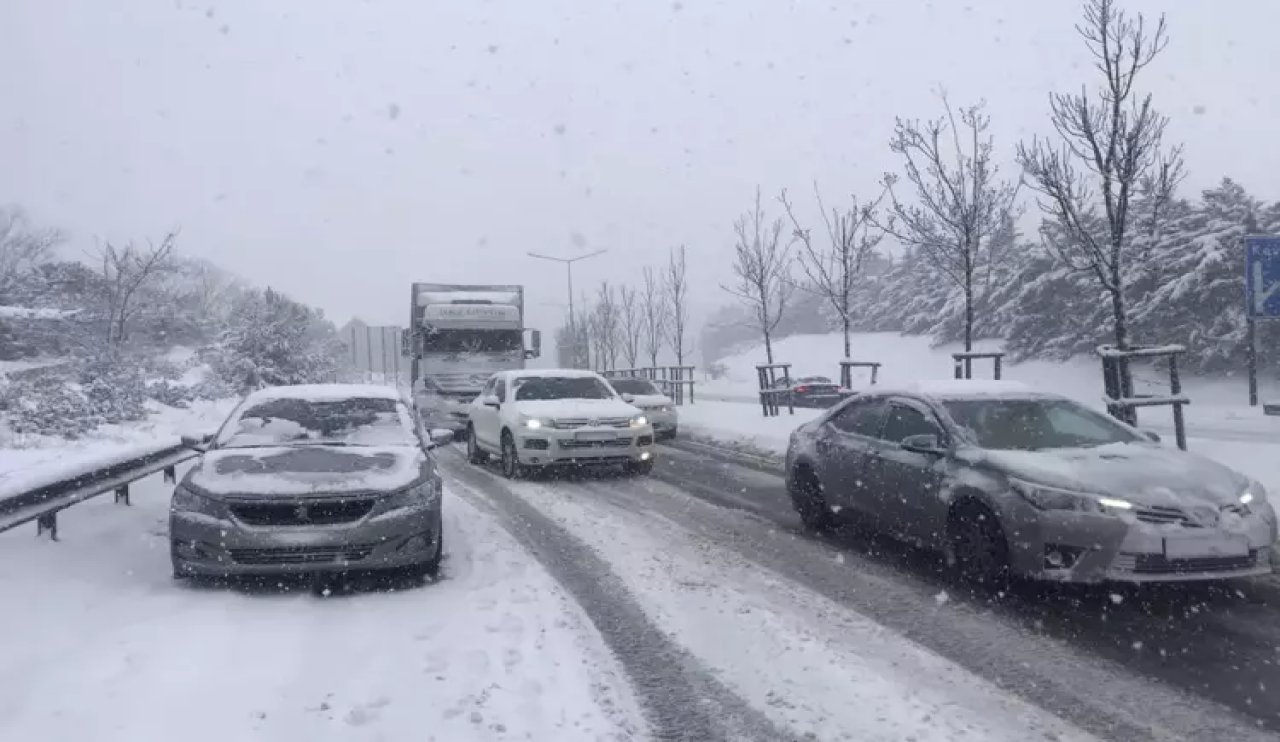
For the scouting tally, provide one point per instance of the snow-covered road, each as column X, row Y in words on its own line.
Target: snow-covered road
column 97, row 642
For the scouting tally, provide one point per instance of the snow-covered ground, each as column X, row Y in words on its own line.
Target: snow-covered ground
column 28, row 461
column 816, row 669
column 97, row 642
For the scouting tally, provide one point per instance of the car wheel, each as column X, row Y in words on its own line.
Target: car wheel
column 511, row 466
column 475, row 454
column 640, row 468
column 810, row 503
column 978, row 544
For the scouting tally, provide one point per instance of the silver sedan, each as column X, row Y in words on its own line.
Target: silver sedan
column 1008, row 481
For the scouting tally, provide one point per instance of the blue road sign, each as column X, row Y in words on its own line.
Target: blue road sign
column 1262, row 277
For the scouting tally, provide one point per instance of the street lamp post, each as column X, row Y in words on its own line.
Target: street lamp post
column 568, row 268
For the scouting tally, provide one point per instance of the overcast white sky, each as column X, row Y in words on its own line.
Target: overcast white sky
column 339, row 149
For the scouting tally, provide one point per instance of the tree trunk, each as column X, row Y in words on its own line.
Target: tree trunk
column 845, row 326
column 768, row 348
column 968, row 313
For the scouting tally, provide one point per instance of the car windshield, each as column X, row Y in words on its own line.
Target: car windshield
column 471, row 341
column 1035, row 424
column 634, row 386
column 356, row 421
column 531, row 388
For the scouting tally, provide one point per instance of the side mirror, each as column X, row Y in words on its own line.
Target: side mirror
column 440, row 437
column 197, row 442
column 535, row 344
column 491, row 401
column 927, row 444
column 628, row 398
column 1151, row 435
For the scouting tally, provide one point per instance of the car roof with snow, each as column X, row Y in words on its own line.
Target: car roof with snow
column 945, row 389
column 325, row 392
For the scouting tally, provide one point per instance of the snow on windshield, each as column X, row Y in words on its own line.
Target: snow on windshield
column 1034, row 424
column 294, row 421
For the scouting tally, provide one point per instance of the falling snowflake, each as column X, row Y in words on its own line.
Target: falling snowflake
column 1117, row 598
column 941, row 598
column 393, row 111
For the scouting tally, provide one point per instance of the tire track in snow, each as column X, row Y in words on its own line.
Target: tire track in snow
column 681, row 699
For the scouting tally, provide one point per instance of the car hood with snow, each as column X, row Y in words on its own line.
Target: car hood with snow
column 1145, row 474
column 304, row 470
column 573, row 408
column 644, row 401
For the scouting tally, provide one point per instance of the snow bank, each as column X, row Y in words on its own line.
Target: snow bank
column 29, row 313
column 326, row 392
column 30, row 461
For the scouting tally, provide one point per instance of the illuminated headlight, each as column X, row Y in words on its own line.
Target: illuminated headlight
column 187, row 501
column 1253, row 494
column 664, row 409
column 639, row 421
column 532, row 423
column 1053, row 498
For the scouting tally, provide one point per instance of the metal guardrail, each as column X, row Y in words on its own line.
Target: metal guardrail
column 42, row 504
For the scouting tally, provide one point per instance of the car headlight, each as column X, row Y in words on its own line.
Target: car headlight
column 639, row 421
column 532, row 423
column 185, row 500
column 422, row 495
column 1253, row 494
column 1054, row 498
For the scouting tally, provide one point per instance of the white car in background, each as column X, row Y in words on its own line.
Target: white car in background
column 655, row 405
column 534, row 419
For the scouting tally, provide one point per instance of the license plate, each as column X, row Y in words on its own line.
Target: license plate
column 1205, row 545
column 595, row 436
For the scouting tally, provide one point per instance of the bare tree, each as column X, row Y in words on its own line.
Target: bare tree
column 630, row 324
column 676, row 288
column 22, row 247
column 833, row 267
column 761, row 270
column 654, row 315
column 1111, row 148
column 126, row 270
column 961, row 202
column 606, row 326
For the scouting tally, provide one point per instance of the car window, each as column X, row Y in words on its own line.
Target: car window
column 905, row 421
column 488, row 387
column 862, row 417
column 355, row 421
column 634, row 386
column 531, row 388
column 500, row 390
column 1035, row 424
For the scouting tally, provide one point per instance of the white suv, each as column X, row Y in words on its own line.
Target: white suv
column 533, row 419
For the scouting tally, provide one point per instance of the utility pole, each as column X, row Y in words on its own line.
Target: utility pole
column 568, row 268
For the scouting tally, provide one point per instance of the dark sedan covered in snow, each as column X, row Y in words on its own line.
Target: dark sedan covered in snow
column 319, row 478
column 811, row 391
column 1009, row 481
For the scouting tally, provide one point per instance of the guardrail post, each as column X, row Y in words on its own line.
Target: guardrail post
column 170, row 474
column 122, row 494
column 48, row 523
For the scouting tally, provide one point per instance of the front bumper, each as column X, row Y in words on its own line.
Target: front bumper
column 1092, row 548
column 448, row 412
column 552, row 446
column 205, row 545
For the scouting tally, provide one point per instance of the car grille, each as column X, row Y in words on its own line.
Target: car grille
column 569, row 423
column 1153, row 564
column 306, row 513
column 1164, row 515
column 614, row 443
column 302, row 555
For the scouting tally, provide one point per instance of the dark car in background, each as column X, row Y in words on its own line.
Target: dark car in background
column 1009, row 481
column 810, row 391
column 315, row 478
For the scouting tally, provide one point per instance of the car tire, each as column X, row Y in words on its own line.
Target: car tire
column 511, row 466
column 475, row 454
column 809, row 502
column 640, row 468
column 978, row 544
